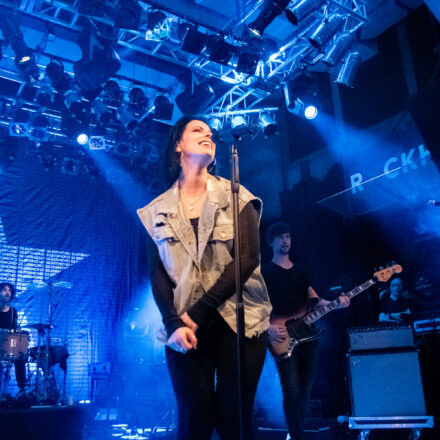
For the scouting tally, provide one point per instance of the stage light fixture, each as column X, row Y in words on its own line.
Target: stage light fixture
column 195, row 101
column 126, row 117
column 99, row 61
column 239, row 126
column 338, row 49
column 270, row 11
column 60, row 80
column 18, row 127
column 97, row 138
column 349, row 68
column 38, row 125
column 112, row 94
column 102, row 113
column 218, row 49
column 159, row 26
column 82, row 138
column 326, row 30
column 300, row 10
column 44, row 96
column 247, row 60
column 27, row 67
column 137, row 101
column 163, row 108
column 128, row 14
column 216, row 124
column 192, row 40
column 310, row 112
column 267, row 124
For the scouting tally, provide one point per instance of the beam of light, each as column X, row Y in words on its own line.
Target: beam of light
column 386, row 167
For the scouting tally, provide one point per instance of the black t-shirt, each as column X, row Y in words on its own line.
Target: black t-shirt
column 287, row 287
column 389, row 305
column 8, row 320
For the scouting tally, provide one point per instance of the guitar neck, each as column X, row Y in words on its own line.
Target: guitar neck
column 332, row 305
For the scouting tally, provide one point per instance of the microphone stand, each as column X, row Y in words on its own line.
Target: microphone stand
column 241, row 355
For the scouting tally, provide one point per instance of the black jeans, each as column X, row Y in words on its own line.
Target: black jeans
column 296, row 376
column 205, row 383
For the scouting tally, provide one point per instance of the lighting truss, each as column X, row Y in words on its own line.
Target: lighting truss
column 245, row 91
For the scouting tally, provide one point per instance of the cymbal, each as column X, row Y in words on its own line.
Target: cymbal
column 39, row 326
column 36, row 285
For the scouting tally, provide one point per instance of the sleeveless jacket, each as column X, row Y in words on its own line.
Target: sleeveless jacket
column 193, row 268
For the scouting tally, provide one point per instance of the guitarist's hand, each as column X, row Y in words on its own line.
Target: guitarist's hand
column 344, row 301
column 277, row 333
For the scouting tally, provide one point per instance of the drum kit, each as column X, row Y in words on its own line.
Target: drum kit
column 48, row 352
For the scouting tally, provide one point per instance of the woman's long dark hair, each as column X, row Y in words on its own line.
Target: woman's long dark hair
column 171, row 158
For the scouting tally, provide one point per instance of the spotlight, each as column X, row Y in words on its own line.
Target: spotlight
column 60, row 80
column 18, row 127
column 163, row 108
column 247, row 60
column 310, row 112
column 27, row 67
column 137, row 101
column 195, row 101
column 101, row 111
column 301, row 96
column 159, row 26
column 239, row 126
column 349, row 69
column 112, row 94
column 326, row 30
column 267, row 124
column 38, row 125
column 82, row 138
column 218, row 50
column 339, row 48
column 126, row 116
column 270, row 11
column 44, row 96
column 300, row 10
column 216, row 124
column 192, row 40
column 128, row 14
column 97, row 138
column 99, row 62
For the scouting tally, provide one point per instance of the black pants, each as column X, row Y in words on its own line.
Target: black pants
column 205, row 383
column 296, row 376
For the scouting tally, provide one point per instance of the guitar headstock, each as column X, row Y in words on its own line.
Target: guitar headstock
column 385, row 274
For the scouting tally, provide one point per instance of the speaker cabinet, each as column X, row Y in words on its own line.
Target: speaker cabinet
column 386, row 384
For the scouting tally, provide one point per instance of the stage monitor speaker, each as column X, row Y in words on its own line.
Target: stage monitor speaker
column 386, row 384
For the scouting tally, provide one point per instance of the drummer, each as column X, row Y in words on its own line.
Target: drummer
column 8, row 321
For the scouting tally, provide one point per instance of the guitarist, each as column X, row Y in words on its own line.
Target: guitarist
column 292, row 295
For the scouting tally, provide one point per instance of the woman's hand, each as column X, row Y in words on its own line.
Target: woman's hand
column 277, row 333
column 182, row 340
column 189, row 322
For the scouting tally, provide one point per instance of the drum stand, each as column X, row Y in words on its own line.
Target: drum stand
column 5, row 368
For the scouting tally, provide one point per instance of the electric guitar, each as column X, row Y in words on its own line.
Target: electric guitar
column 298, row 325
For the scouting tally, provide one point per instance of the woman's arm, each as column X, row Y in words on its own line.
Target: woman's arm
column 162, row 287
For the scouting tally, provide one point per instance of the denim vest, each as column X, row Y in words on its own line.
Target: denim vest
column 193, row 268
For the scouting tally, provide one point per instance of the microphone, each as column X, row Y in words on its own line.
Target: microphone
column 435, row 203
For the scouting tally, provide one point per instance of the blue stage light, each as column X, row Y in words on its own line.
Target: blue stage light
column 311, row 112
column 82, row 139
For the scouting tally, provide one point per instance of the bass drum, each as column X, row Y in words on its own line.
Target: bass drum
column 13, row 345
